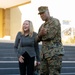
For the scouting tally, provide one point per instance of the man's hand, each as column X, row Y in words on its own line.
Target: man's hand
column 37, row 65
column 43, row 31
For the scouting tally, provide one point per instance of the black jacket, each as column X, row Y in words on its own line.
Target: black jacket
column 26, row 44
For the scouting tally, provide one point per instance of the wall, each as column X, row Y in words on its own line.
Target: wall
column 6, row 27
column 15, row 22
column 1, row 22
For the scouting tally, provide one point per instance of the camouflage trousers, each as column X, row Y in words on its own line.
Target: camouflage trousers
column 51, row 66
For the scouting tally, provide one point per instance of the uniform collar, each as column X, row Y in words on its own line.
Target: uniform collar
column 49, row 21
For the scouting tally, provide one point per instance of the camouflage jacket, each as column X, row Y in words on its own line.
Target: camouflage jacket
column 51, row 42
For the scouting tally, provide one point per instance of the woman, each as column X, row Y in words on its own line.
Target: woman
column 26, row 48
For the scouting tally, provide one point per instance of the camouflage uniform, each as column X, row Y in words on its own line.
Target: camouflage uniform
column 52, row 49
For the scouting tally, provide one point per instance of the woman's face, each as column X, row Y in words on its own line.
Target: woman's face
column 26, row 26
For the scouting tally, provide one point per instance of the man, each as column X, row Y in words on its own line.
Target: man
column 52, row 49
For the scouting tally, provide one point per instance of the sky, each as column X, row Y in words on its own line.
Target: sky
column 61, row 9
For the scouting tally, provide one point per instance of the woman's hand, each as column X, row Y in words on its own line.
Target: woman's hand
column 21, row 59
column 35, row 63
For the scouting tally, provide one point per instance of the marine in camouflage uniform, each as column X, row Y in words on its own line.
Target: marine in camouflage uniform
column 52, row 48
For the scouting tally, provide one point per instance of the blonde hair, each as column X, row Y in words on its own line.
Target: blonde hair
column 31, row 29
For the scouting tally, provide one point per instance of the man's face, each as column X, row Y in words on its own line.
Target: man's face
column 44, row 15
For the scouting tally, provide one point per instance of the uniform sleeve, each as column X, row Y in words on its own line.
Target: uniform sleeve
column 16, row 44
column 52, row 31
column 36, row 45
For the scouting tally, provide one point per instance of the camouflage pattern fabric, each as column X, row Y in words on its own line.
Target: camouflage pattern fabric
column 51, row 66
column 42, row 9
column 52, row 48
